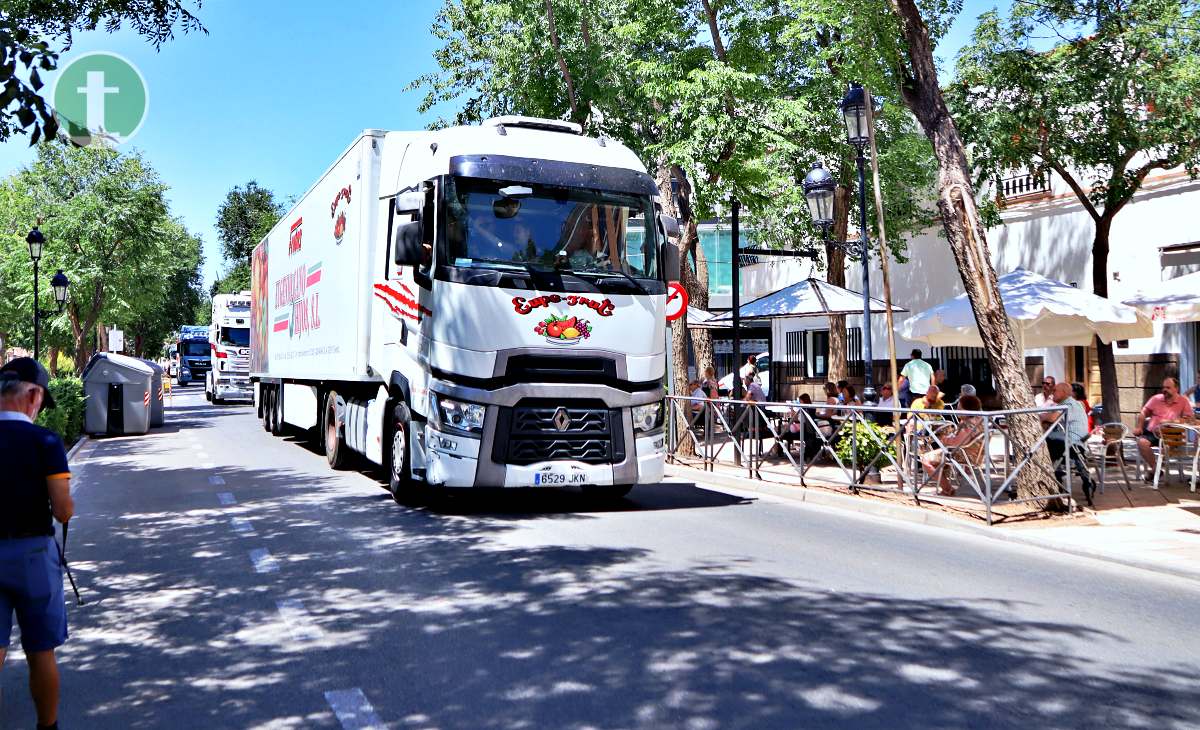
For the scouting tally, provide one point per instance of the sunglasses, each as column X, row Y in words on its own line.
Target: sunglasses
column 1047, row 385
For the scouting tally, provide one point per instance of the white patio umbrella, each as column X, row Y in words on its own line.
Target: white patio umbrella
column 698, row 318
column 1043, row 313
column 1174, row 300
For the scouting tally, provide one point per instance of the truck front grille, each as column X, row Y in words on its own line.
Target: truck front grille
column 534, row 431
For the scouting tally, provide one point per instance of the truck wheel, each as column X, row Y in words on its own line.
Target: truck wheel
column 336, row 452
column 276, row 411
column 404, row 489
column 264, row 407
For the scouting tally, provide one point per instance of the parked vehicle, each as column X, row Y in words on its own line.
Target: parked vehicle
column 191, row 354
column 763, row 362
column 229, row 343
column 474, row 306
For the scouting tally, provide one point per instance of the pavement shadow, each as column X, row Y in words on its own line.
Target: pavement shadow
column 451, row 620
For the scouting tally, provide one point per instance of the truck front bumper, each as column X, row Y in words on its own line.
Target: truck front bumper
column 236, row 387
column 453, row 460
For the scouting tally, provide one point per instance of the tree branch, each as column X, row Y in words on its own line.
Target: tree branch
column 1076, row 188
column 562, row 62
column 714, row 31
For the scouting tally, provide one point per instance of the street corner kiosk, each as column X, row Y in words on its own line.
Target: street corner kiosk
column 156, row 394
column 119, row 391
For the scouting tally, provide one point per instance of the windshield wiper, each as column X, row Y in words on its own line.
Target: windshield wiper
column 637, row 284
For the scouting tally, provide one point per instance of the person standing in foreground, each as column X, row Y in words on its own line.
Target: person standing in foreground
column 35, row 489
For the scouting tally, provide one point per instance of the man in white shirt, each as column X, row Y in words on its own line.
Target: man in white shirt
column 1046, row 397
column 916, row 377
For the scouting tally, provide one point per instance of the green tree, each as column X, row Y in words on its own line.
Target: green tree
column 244, row 218
column 33, row 33
column 107, row 226
column 155, row 315
column 1105, row 108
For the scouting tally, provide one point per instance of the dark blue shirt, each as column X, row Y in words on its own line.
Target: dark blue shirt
column 29, row 454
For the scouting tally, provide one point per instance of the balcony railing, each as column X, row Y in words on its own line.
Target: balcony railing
column 1022, row 186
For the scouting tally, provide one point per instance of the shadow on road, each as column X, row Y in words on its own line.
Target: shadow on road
column 443, row 620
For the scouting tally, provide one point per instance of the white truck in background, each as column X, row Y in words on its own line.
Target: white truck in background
column 473, row 306
column 228, row 378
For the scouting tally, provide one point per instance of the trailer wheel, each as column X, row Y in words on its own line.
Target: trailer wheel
column 276, row 410
column 336, row 452
column 264, row 407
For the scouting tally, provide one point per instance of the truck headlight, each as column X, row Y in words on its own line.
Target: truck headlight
column 647, row 417
column 458, row 415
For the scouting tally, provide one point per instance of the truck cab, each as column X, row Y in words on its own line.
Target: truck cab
column 191, row 358
column 229, row 344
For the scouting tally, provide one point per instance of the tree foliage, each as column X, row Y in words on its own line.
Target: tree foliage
column 247, row 215
column 34, row 33
column 107, row 226
column 1103, row 109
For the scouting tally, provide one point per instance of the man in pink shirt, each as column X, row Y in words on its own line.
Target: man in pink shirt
column 1165, row 407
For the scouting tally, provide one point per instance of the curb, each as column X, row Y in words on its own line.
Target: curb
column 83, row 439
column 915, row 515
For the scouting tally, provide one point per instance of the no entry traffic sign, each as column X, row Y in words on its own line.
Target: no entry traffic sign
column 677, row 301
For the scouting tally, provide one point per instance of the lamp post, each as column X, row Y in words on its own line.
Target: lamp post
column 58, row 283
column 818, row 193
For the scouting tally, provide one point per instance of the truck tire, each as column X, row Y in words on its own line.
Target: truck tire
column 404, row 489
column 277, row 410
column 336, row 451
column 265, row 407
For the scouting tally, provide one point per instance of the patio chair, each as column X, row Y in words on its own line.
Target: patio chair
column 1110, row 451
column 969, row 458
column 1175, row 448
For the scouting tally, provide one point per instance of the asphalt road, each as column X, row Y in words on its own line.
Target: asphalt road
column 231, row 580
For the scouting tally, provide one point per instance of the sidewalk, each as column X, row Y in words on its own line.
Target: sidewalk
column 1142, row 528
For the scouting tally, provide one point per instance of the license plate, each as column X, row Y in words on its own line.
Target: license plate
column 558, row 479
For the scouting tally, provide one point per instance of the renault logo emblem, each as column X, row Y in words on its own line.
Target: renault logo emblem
column 561, row 420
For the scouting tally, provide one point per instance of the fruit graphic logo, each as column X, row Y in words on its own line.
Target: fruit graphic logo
column 339, row 227
column 564, row 330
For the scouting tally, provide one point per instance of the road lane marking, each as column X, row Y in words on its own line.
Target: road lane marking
column 298, row 621
column 226, row 498
column 353, row 710
column 216, row 481
column 242, row 526
column 263, row 562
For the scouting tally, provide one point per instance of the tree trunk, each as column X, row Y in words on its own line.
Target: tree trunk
column 1109, row 392
column 54, row 362
column 968, row 243
column 835, row 257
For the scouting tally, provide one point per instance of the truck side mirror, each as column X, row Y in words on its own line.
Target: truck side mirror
column 670, row 226
column 406, row 248
column 668, row 256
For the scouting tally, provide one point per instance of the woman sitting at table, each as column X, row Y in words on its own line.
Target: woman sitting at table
column 799, row 427
column 963, row 442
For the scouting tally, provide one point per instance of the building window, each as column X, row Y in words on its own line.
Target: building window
column 965, row 365
column 854, row 352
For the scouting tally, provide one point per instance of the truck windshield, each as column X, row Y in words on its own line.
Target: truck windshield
column 195, row 348
column 491, row 223
column 235, row 336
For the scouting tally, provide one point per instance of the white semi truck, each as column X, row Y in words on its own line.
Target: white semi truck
column 474, row 306
column 228, row 376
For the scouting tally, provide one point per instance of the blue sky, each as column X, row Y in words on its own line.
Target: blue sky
column 277, row 89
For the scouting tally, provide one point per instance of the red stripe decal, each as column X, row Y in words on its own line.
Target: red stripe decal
column 313, row 278
column 281, row 326
column 405, row 288
column 397, row 310
column 407, row 301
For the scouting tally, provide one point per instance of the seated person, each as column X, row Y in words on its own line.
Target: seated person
column 798, row 427
column 1077, row 430
column 931, row 401
column 1165, row 407
column 887, row 399
column 963, row 443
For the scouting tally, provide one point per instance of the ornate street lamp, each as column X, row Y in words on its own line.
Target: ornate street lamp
column 818, row 193
column 59, row 283
column 854, row 112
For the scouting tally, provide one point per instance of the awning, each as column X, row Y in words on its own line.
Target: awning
column 808, row 298
column 1174, row 300
column 1042, row 312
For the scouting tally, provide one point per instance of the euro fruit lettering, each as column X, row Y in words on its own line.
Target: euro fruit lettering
column 521, row 305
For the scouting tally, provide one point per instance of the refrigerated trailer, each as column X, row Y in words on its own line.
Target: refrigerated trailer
column 473, row 306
